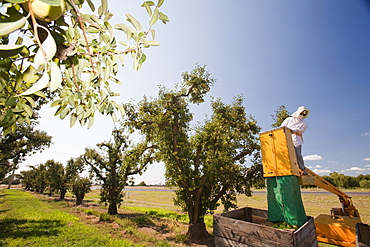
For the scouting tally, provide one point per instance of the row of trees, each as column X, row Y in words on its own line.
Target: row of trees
column 73, row 60
column 16, row 146
column 56, row 178
column 208, row 162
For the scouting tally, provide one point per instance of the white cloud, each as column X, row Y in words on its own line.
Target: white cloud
column 314, row 167
column 313, row 157
column 366, row 134
column 332, row 162
column 355, row 168
column 321, row 171
column 367, row 166
column 366, row 159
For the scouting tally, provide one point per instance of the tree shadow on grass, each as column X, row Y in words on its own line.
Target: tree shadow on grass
column 21, row 228
column 3, row 211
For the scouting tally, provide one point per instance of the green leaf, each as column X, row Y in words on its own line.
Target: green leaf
column 121, row 109
column 160, row 3
column 9, row 25
column 138, row 62
column 127, row 30
column 108, row 16
column 6, row 117
column 149, row 3
column 16, row 1
column 56, row 77
column 114, row 117
column 72, row 120
column 91, row 122
column 153, row 43
column 164, row 18
column 28, row 109
column 79, row 110
column 110, row 108
column 52, row 2
column 64, row 113
column 134, row 22
column 39, row 85
column 50, row 48
column 92, row 29
column 104, row 5
column 40, row 94
column 55, row 103
column 10, row 101
column 30, row 100
column 91, row 5
column 107, row 72
column 60, row 109
column 122, row 60
column 5, row 64
column 11, row 50
column 147, row 7
column 154, row 17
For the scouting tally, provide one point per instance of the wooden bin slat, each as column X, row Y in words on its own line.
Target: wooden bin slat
column 251, row 234
column 306, row 235
column 234, row 228
column 363, row 235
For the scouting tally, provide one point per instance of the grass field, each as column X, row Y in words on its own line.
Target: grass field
column 315, row 203
column 146, row 218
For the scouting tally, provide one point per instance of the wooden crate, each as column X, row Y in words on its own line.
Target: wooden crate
column 249, row 227
column 363, row 235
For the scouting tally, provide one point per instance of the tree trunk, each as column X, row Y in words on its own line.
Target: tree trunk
column 197, row 231
column 112, row 209
column 62, row 195
column 11, row 179
column 79, row 199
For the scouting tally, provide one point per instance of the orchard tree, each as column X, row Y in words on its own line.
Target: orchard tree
column 80, row 187
column 61, row 178
column 16, row 146
column 205, row 163
column 39, row 178
column 53, row 48
column 27, row 179
column 113, row 162
column 280, row 115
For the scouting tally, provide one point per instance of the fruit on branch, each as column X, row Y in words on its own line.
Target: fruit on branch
column 46, row 10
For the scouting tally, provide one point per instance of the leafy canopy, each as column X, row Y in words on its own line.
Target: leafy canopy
column 205, row 162
column 52, row 49
column 113, row 162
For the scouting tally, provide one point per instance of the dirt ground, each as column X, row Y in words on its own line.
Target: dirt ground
column 153, row 229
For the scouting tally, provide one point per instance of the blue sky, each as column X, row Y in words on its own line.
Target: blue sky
column 313, row 53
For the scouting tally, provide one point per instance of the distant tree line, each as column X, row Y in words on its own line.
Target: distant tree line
column 348, row 182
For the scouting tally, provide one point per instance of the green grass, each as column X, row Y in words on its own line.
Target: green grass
column 146, row 218
column 27, row 221
column 167, row 214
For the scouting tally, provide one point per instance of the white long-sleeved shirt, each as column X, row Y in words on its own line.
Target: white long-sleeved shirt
column 297, row 125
